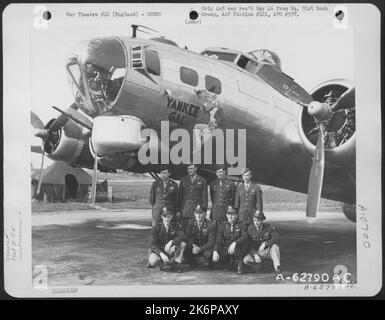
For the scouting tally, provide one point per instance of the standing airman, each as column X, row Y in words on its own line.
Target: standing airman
column 222, row 192
column 164, row 193
column 248, row 198
column 192, row 191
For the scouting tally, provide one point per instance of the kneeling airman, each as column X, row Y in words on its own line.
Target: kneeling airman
column 231, row 241
column 262, row 243
column 167, row 242
column 200, row 238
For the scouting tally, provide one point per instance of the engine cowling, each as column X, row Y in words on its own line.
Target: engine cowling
column 69, row 144
column 340, row 132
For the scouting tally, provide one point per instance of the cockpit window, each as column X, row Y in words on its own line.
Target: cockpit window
column 96, row 71
column 77, row 85
column 248, row 64
column 75, row 77
column 213, row 85
column 152, row 62
column 252, row 67
column 224, row 56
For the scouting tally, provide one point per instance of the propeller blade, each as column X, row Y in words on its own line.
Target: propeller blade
column 36, row 149
column 58, row 123
column 94, row 180
column 346, row 101
column 316, row 176
column 61, row 120
column 41, row 173
column 76, row 117
column 36, row 122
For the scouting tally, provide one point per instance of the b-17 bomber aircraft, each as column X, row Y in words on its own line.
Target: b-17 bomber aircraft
column 300, row 141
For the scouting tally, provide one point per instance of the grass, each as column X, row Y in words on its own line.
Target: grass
column 58, row 206
column 275, row 199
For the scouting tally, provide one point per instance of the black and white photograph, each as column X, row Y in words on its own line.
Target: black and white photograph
column 180, row 149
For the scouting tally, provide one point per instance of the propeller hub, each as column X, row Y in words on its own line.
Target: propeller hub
column 41, row 133
column 320, row 111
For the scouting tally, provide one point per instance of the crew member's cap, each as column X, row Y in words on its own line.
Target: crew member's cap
column 190, row 164
column 166, row 211
column 220, row 166
column 231, row 210
column 199, row 209
column 246, row 170
column 258, row 215
column 164, row 167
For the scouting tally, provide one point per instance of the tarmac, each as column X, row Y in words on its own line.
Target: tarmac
column 105, row 247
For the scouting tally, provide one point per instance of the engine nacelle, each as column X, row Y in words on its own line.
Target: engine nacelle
column 115, row 141
column 114, row 135
column 69, row 144
column 340, row 132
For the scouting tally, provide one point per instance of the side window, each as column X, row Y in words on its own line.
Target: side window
column 189, row 76
column 152, row 62
column 213, row 85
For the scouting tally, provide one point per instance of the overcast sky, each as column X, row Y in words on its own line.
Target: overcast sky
column 310, row 54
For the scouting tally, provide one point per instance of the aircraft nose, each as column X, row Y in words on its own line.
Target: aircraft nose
column 96, row 71
column 106, row 53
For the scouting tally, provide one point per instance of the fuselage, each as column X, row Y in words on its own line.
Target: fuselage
column 165, row 91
